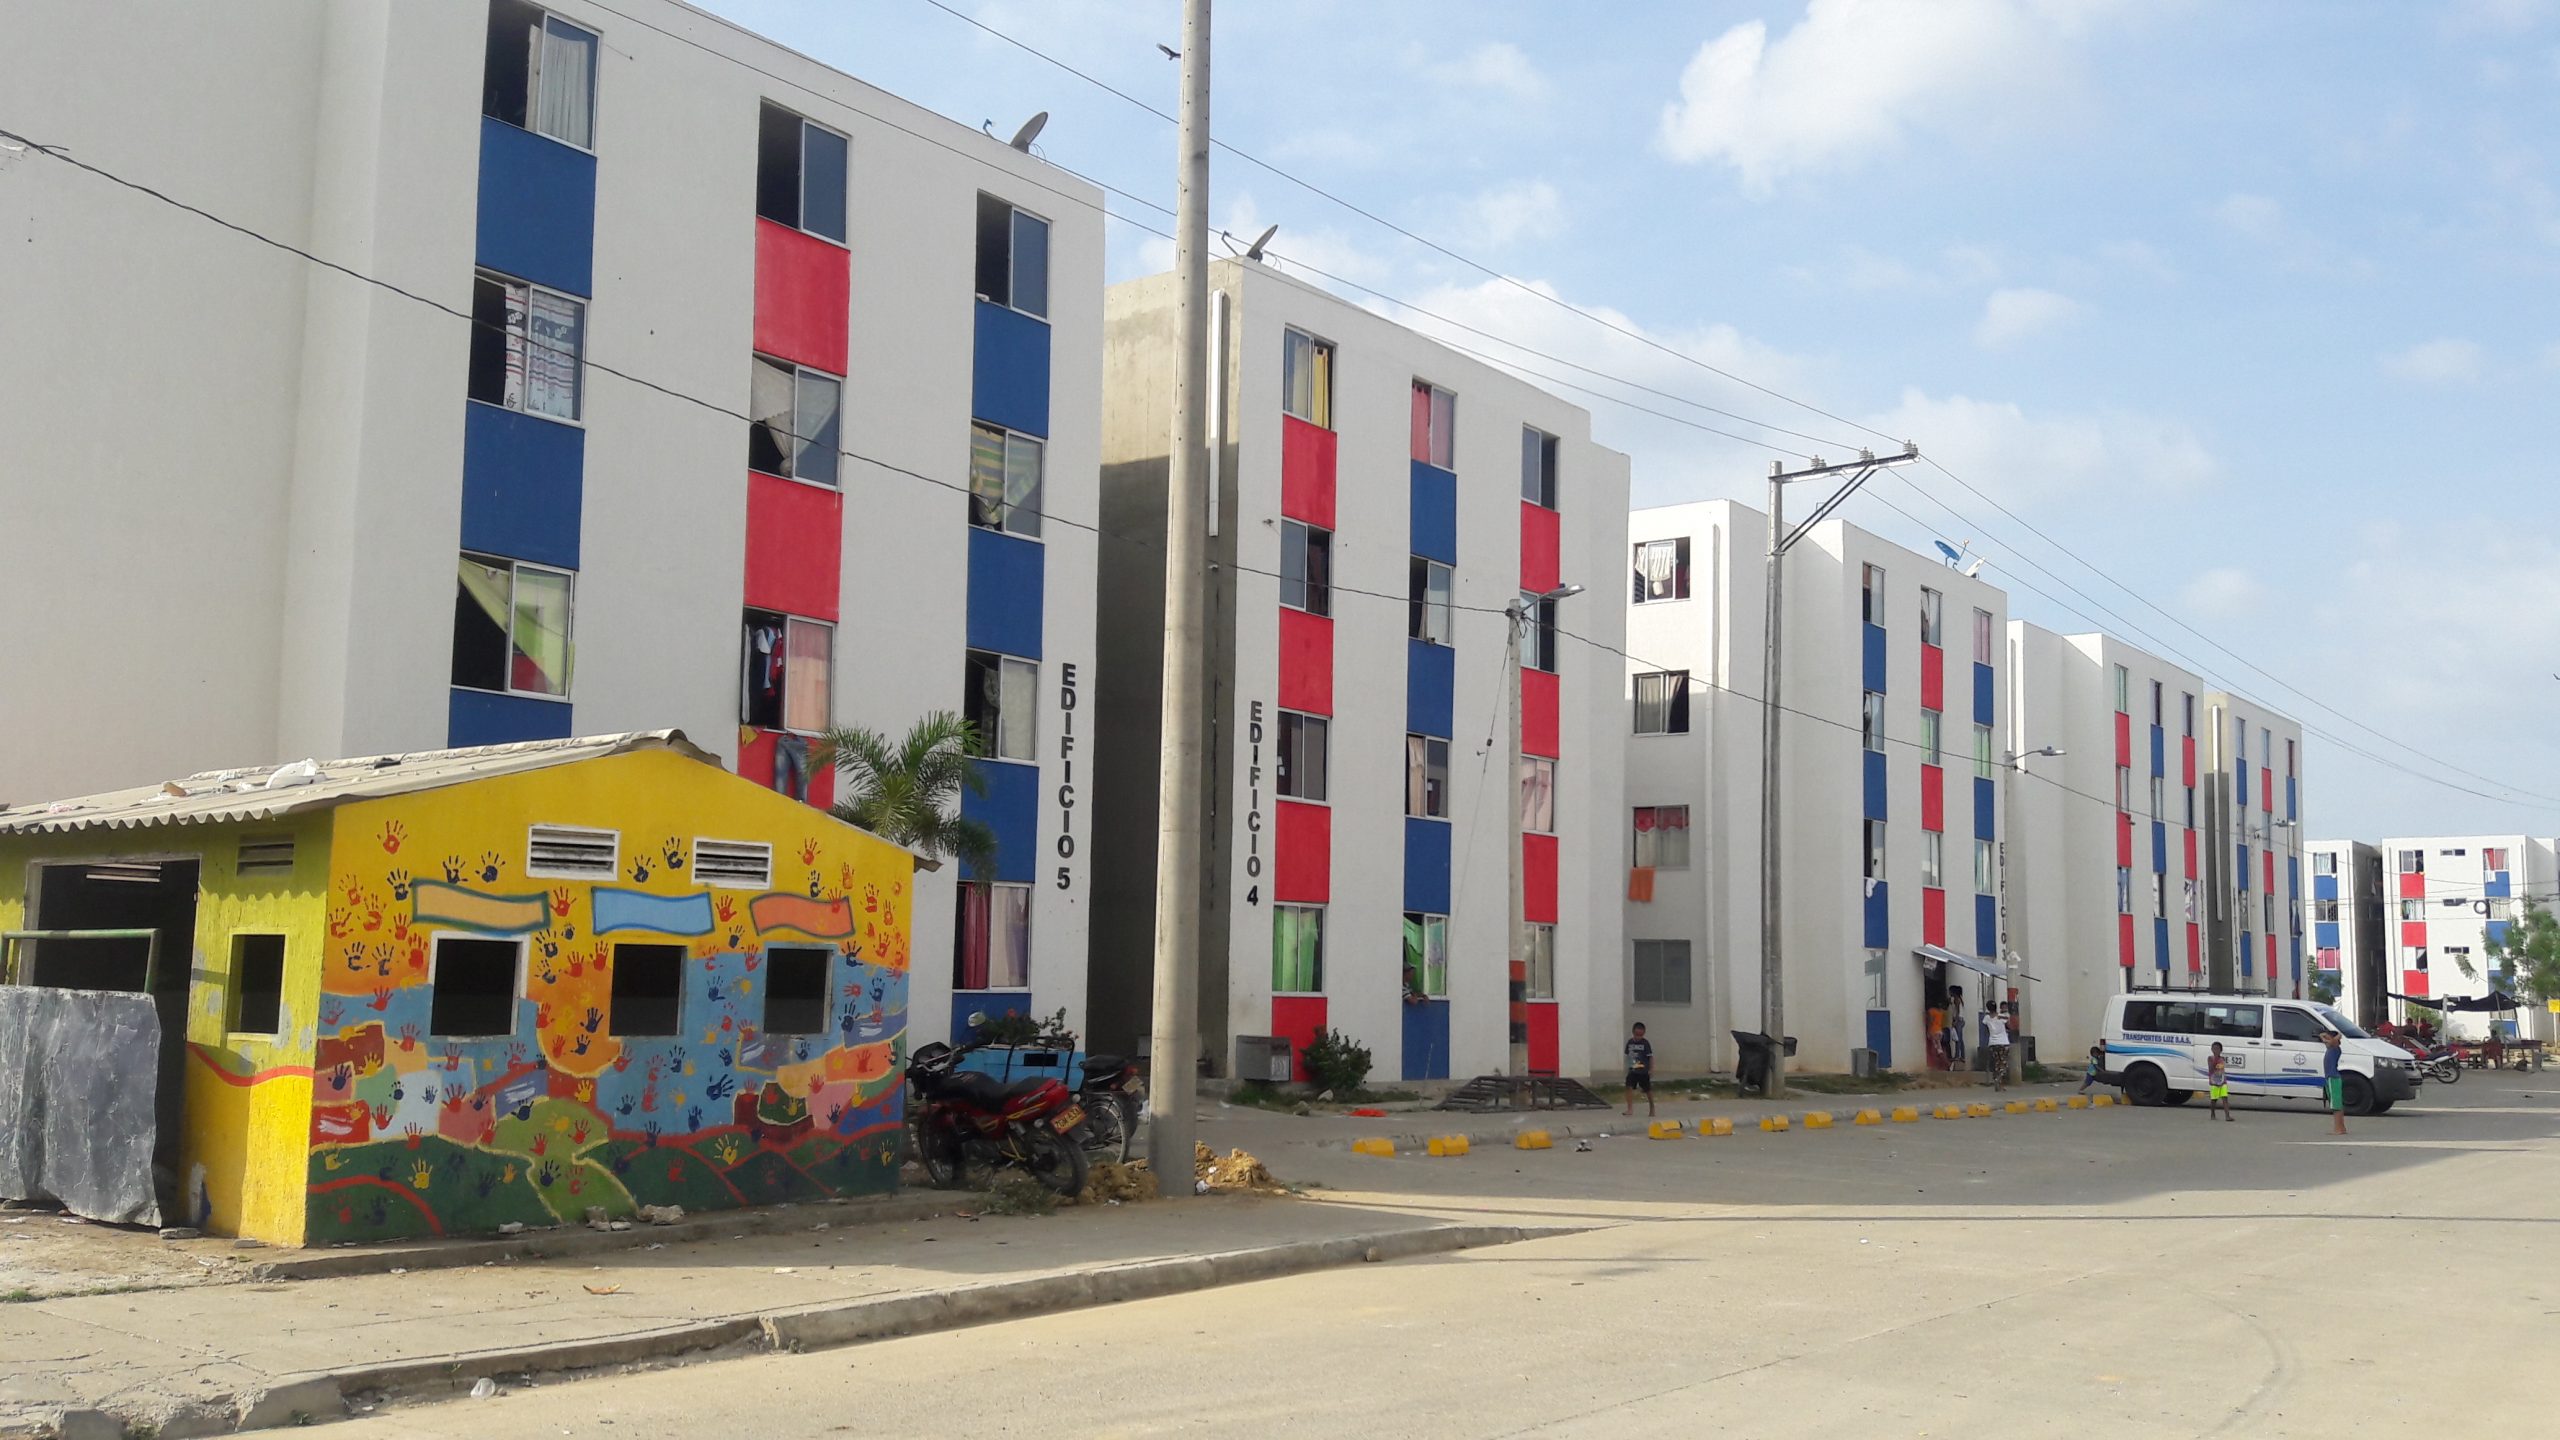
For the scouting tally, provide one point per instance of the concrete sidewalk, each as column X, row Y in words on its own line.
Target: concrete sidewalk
column 211, row 1359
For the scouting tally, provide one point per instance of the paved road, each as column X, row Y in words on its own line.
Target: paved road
column 2110, row 1274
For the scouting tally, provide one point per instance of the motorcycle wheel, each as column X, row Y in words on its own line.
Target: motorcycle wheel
column 1106, row 1128
column 2445, row 1072
column 1053, row 1159
column 938, row 1151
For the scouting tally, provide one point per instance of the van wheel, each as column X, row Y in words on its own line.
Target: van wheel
column 2145, row 1085
column 2179, row 1097
column 2383, row 1107
column 2359, row 1096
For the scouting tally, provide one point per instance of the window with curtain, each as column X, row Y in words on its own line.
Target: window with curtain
column 1306, row 378
column 1435, row 419
column 808, row 676
column 1005, row 474
column 527, row 347
column 1932, row 722
column 1542, row 962
column 1537, row 795
column 1428, row 617
column 1871, row 594
column 1986, row 868
column 999, row 696
column 512, row 627
column 1933, row 611
column 1662, row 570
column 1297, row 949
column 1426, row 777
column 1871, row 720
column 1662, row 703
column 1933, row 859
column 538, row 73
column 1982, row 752
column 991, row 941
column 1306, row 568
column 1426, row 955
column 1662, row 836
column 795, row 421
column 1981, row 637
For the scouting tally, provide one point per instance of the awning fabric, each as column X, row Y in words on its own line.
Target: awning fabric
column 1936, row 954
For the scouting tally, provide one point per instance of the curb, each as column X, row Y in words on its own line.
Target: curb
column 1593, row 1126
column 318, row 1398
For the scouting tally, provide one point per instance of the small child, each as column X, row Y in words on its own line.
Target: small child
column 2217, row 1084
column 2097, row 1066
column 1639, row 1069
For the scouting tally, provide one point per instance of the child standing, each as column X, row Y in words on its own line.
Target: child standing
column 1639, row 1069
column 2333, row 1082
column 2217, row 1077
column 2097, row 1066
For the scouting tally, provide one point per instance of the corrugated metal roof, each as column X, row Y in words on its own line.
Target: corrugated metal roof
column 272, row 791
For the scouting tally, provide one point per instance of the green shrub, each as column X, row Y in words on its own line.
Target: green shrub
column 1336, row 1062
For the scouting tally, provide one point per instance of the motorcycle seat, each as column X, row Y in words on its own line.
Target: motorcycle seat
column 1101, row 1065
column 985, row 1091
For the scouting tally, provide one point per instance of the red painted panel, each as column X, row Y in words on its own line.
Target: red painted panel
column 2187, row 759
column 2413, row 886
column 1544, row 1052
column 1933, row 677
column 2414, row 982
column 2124, row 738
column 1301, row 853
column 2195, row 949
column 1933, row 800
column 1306, row 471
column 804, row 292
column 2271, row 870
column 1541, row 548
column 2266, row 788
column 795, row 546
column 1540, row 709
column 2124, row 941
column 2124, row 839
column 1933, row 915
column 1306, row 662
column 1538, row 879
column 2271, row 957
column 2413, row 933
column 2191, row 854
column 755, row 762
column 1298, row 1018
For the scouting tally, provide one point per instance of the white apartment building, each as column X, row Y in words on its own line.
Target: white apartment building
column 2444, row 897
column 2351, row 966
column 1896, row 721
column 2250, row 769
column 1379, row 501
column 718, row 390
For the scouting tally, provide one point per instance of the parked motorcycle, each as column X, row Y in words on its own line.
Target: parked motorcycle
column 2441, row 1065
column 958, row 1122
column 1113, row 1099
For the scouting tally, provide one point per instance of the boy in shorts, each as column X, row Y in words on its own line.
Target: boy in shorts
column 2217, row 1078
column 1639, row 1069
column 2333, row 1082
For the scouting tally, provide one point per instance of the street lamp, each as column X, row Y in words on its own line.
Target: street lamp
column 2014, row 761
column 1522, row 612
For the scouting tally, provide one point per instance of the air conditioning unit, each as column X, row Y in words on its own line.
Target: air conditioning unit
column 1263, row 1057
column 1862, row 1063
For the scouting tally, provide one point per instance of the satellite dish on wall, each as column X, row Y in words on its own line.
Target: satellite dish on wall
column 1030, row 131
column 1254, row 250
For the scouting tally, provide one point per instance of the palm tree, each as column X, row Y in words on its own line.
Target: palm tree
column 910, row 792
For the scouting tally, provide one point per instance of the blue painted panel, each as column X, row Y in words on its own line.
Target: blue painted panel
column 520, row 485
column 1426, row 865
column 1981, row 693
column 2324, row 933
column 1426, row 1040
column 2244, row 866
column 1986, row 925
column 2496, row 931
column 1435, row 513
column 2159, row 847
column 1430, row 682
column 1009, row 381
column 995, row 1005
column 1874, row 763
column 2248, row 951
column 1982, row 821
column 1007, row 577
column 537, row 218
column 2159, row 751
column 2240, row 778
column 1871, row 657
column 1879, row 916
column 482, row 717
column 1011, row 808
column 2160, row 941
column 2495, row 885
column 1880, row 1037
column 2325, row 887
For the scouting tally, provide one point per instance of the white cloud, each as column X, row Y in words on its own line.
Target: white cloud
column 2262, row 219
column 2010, row 316
column 2436, row 362
column 1496, row 65
column 1854, row 78
column 1519, row 210
column 2227, row 593
column 2024, row 459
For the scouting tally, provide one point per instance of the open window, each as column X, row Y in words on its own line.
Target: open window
column 511, row 627
column 1537, row 795
column 991, row 944
column 1426, row 955
column 1013, row 256
column 648, row 990
column 1426, row 777
column 1435, row 425
column 1303, row 755
column 1306, row 568
column 257, row 984
column 538, row 73
column 1428, row 609
column 1662, row 703
column 796, row 429
column 1541, row 959
column 800, row 169
column 474, row 984
column 788, row 681
column 795, row 989
column 1662, row 570
column 998, row 698
column 1006, row 471
column 1306, row 378
column 528, row 347
column 1538, row 467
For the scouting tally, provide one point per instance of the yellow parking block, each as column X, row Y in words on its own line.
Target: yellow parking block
column 2077, row 1102
column 2047, row 1105
column 1773, row 1123
column 1947, row 1112
column 2102, row 1102
column 1533, row 1140
column 1868, row 1117
column 1719, row 1125
column 1978, row 1110
column 2018, row 1107
column 1373, row 1145
column 1663, row 1130
column 1444, row 1145
column 1817, row 1119
column 1906, row 1114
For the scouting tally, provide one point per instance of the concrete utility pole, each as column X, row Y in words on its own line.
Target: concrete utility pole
column 1773, row 979
column 1172, row 1091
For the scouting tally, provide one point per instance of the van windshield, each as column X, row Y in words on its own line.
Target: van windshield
column 2341, row 1023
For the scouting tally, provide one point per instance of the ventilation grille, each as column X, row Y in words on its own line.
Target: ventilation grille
column 266, row 855
column 568, row 852
column 733, row 864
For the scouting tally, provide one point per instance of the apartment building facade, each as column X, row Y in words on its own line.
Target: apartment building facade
column 2350, row 966
column 1895, row 727
column 1379, row 501
column 704, row 387
column 2251, row 767
column 2445, row 897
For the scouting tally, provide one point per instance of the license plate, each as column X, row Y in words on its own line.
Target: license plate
column 1067, row 1119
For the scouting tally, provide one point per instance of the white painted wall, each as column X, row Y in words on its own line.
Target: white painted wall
column 2454, row 923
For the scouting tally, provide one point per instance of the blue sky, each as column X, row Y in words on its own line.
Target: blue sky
column 2249, row 305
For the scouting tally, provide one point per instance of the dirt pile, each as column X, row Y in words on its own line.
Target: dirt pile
column 1109, row 1180
column 1236, row 1170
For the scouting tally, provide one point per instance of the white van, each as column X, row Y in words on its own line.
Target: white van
column 2159, row 1039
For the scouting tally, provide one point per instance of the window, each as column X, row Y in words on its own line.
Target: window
column 1306, row 568
column 1875, row 849
column 1662, row 836
column 263, row 855
column 2124, row 787
column 1426, row 776
column 1932, row 752
column 2288, row 759
column 2191, row 807
column 1297, row 949
column 1981, row 637
column 1877, row 993
column 999, row 697
column 2501, row 907
column 1426, row 955
column 795, row 989
column 511, row 627
column 1662, row 703
column 1986, row 868
column 2266, row 747
column 1428, row 617
column 1005, row 472
column 2159, row 795
column 1933, row 859
column 2453, row 852
column 257, row 984
column 648, row 990
column 2418, row 957
column 1538, row 634
column 1541, row 963
column 1933, row 608
column 2298, row 1026
column 2324, row 862
column 1662, row 972
column 539, row 74
column 1871, row 594
column 2124, row 691
column 2187, row 714
column 1662, row 570
column 787, row 683
column 1306, row 378
column 474, row 984
column 2159, row 896
column 2124, row 890
column 1871, row 721
column 2239, row 1022
column 2187, row 898
column 527, row 347
column 2491, row 861
column 1538, row 467
column 733, row 864
column 1537, row 795
column 991, row 943
column 2268, row 909
column 1982, row 752
column 2417, row 909
column 2325, row 912
column 2159, row 703
column 2413, row 862
column 800, row 174
column 572, row 852
column 1302, row 756
column 1013, row 257
column 795, row 415
column 1435, row 424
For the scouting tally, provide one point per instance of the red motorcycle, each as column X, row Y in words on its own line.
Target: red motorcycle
column 959, row 1122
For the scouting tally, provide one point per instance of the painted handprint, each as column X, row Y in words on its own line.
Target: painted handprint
column 341, row 923
column 560, row 900
column 399, row 882
column 809, row 851
column 453, row 870
column 675, row 854
column 491, row 867
column 725, row 908
column 383, row 955
column 393, row 832
column 639, row 869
